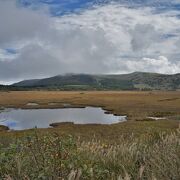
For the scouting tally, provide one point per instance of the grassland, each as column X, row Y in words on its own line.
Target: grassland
column 137, row 149
column 133, row 104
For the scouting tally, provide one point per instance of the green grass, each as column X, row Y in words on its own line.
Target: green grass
column 52, row 156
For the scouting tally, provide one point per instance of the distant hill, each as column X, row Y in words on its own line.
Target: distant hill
column 133, row 81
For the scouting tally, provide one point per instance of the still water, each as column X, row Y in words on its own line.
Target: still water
column 19, row 119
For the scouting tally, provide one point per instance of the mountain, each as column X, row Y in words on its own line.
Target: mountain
column 27, row 83
column 143, row 80
column 60, row 80
column 136, row 80
column 78, row 81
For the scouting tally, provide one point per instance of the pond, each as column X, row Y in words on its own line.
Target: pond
column 19, row 119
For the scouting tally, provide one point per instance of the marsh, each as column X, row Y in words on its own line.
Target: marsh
column 20, row 119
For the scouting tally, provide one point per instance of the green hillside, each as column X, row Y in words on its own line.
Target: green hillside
column 133, row 81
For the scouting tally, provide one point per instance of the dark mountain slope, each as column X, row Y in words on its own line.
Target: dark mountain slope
column 137, row 80
column 27, row 83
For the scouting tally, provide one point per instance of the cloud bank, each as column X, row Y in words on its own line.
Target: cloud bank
column 108, row 38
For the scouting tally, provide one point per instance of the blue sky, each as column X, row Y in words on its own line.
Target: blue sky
column 61, row 7
column 41, row 38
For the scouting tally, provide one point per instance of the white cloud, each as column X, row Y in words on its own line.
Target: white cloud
column 105, row 39
column 20, row 24
column 159, row 65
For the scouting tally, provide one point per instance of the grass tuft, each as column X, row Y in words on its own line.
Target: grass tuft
column 52, row 156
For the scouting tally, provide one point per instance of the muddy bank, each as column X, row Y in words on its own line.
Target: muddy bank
column 60, row 123
column 4, row 128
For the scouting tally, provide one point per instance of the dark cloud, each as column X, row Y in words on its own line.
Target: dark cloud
column 143, row 36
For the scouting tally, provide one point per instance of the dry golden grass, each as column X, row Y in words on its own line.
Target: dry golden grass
column 134, row 104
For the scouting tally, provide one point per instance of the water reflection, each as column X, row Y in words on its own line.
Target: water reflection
column 19, row 119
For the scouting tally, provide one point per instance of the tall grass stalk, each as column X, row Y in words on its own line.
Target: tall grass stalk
column 54, row 157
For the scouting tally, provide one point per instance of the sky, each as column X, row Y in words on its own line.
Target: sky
column 43, row 38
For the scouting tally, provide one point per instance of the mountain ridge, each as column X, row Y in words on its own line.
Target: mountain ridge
column 131, row 81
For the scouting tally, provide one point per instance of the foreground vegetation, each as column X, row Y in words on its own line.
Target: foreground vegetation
column 51, row 156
